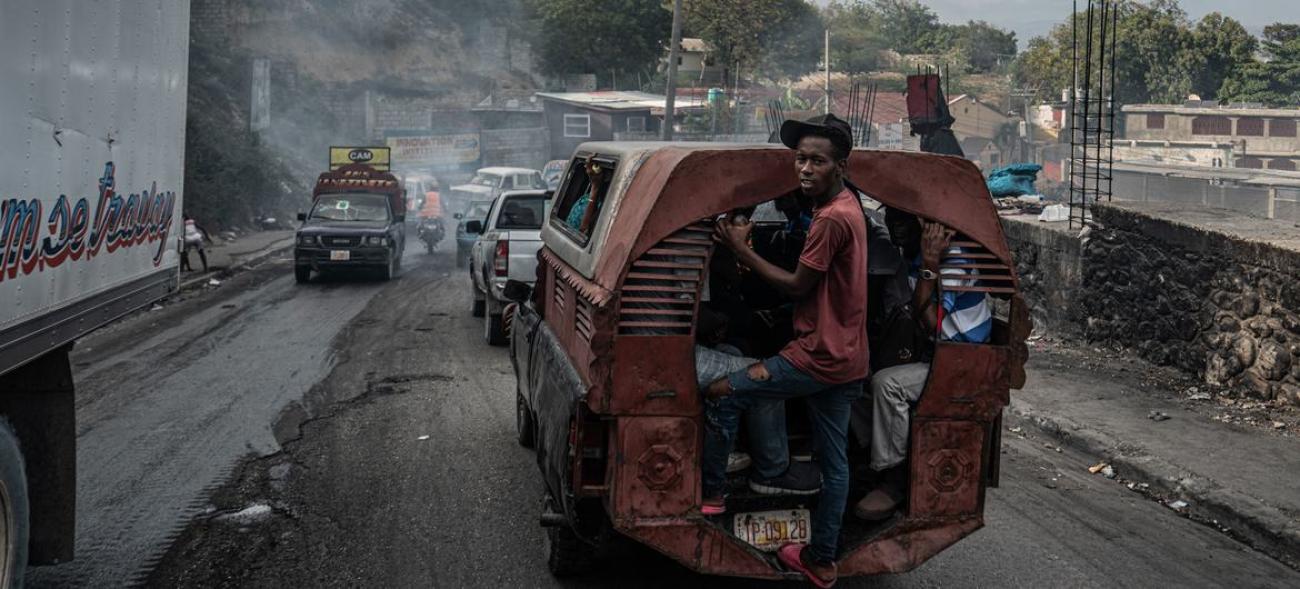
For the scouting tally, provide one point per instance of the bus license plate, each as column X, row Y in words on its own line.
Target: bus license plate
column 768, row 530
column 340, row 255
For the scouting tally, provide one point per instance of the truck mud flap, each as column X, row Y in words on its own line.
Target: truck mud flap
column 37, row 400
column 557, row 393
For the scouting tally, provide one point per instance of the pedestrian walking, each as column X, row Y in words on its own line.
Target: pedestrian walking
column 194, row 238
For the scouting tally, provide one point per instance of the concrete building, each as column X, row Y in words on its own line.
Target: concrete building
column 1201, row 133
column 976, row 118
column 574, row 118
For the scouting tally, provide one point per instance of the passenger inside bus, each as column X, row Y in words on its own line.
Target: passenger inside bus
column 913, row 312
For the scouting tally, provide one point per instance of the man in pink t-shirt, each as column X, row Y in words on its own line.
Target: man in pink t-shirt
column 826, row 362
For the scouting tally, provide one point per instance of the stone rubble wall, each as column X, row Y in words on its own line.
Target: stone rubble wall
column 1223, row 308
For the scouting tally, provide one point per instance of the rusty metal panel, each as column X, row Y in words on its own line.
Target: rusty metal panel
column 702, row 547
column 946, row 458
column 655, row 376
column 657, row 470
column 905, row 547
column 967, row 381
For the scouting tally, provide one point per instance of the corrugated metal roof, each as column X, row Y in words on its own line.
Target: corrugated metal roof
column 609, row 99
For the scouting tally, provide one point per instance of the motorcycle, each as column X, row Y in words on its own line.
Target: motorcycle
column 430, row 231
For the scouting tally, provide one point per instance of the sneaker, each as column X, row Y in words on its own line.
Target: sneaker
column 879, row 504
column 882, row 501
column 801, row 478
column 796, row 558
column 737, row 461
column 713, row 506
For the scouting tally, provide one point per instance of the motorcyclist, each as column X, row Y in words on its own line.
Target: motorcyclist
column 430, row 229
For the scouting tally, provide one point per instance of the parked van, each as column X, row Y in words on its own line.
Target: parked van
column 603, row 350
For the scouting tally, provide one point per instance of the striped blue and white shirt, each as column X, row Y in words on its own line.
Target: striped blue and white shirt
column 966, row 315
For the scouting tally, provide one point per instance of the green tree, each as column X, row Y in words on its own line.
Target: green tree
column 911, row 27
column 1154, row 49
column 776, row 37
column 792, row 46
column 1223, row 45
column 1275, row 82
column 1282, row 32
column 856, row 36
column 985, row 45
column 599, row 36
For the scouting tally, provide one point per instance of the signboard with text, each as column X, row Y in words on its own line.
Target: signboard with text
column 434, row 150
column 375, row 157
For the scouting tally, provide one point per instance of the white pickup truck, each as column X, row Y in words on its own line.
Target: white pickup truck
column 506, row 249
column 92, row 132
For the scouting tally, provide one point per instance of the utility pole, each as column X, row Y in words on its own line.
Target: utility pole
column 1030, row 95
column 827, row 63
column 671, row 99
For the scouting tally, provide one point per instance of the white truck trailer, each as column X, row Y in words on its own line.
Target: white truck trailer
column 92, row 144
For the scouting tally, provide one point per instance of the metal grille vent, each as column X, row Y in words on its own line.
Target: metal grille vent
column 560, row 297
column 582, row 319
column 994, row 277
column 663, row 285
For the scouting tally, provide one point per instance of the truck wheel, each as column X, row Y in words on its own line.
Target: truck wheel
column 13, row 510
column 302, row 274
column 494, row 330
column 525, row 428
column 566, row 554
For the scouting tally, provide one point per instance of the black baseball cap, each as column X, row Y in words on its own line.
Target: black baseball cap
column 828, row 125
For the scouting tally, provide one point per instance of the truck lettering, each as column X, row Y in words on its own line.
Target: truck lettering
column 69, row 232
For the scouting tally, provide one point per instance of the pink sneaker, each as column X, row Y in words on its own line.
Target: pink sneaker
column 791, row 555
column 717, row 506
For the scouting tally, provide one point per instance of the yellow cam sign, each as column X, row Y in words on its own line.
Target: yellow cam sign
column 376, row 157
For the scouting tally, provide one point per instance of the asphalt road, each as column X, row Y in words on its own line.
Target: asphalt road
column 268, row 434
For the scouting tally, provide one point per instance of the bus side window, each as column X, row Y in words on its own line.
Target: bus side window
column 578, row 208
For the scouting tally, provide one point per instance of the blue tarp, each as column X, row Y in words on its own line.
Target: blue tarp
column 1014, row 180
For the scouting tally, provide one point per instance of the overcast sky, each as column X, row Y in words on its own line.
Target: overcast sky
column 1031, row 18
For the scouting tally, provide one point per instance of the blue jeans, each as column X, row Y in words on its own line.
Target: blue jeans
column 829, row 407
column 768, row 444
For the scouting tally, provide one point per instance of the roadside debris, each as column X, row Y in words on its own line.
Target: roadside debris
column 1195, row 394
column 248, row 514
column 1178, row 505
column 1157, row 415
column 156, row 307
column 214, row 282
column 1105, row 469
column 422, row 438
column 1279, row 425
